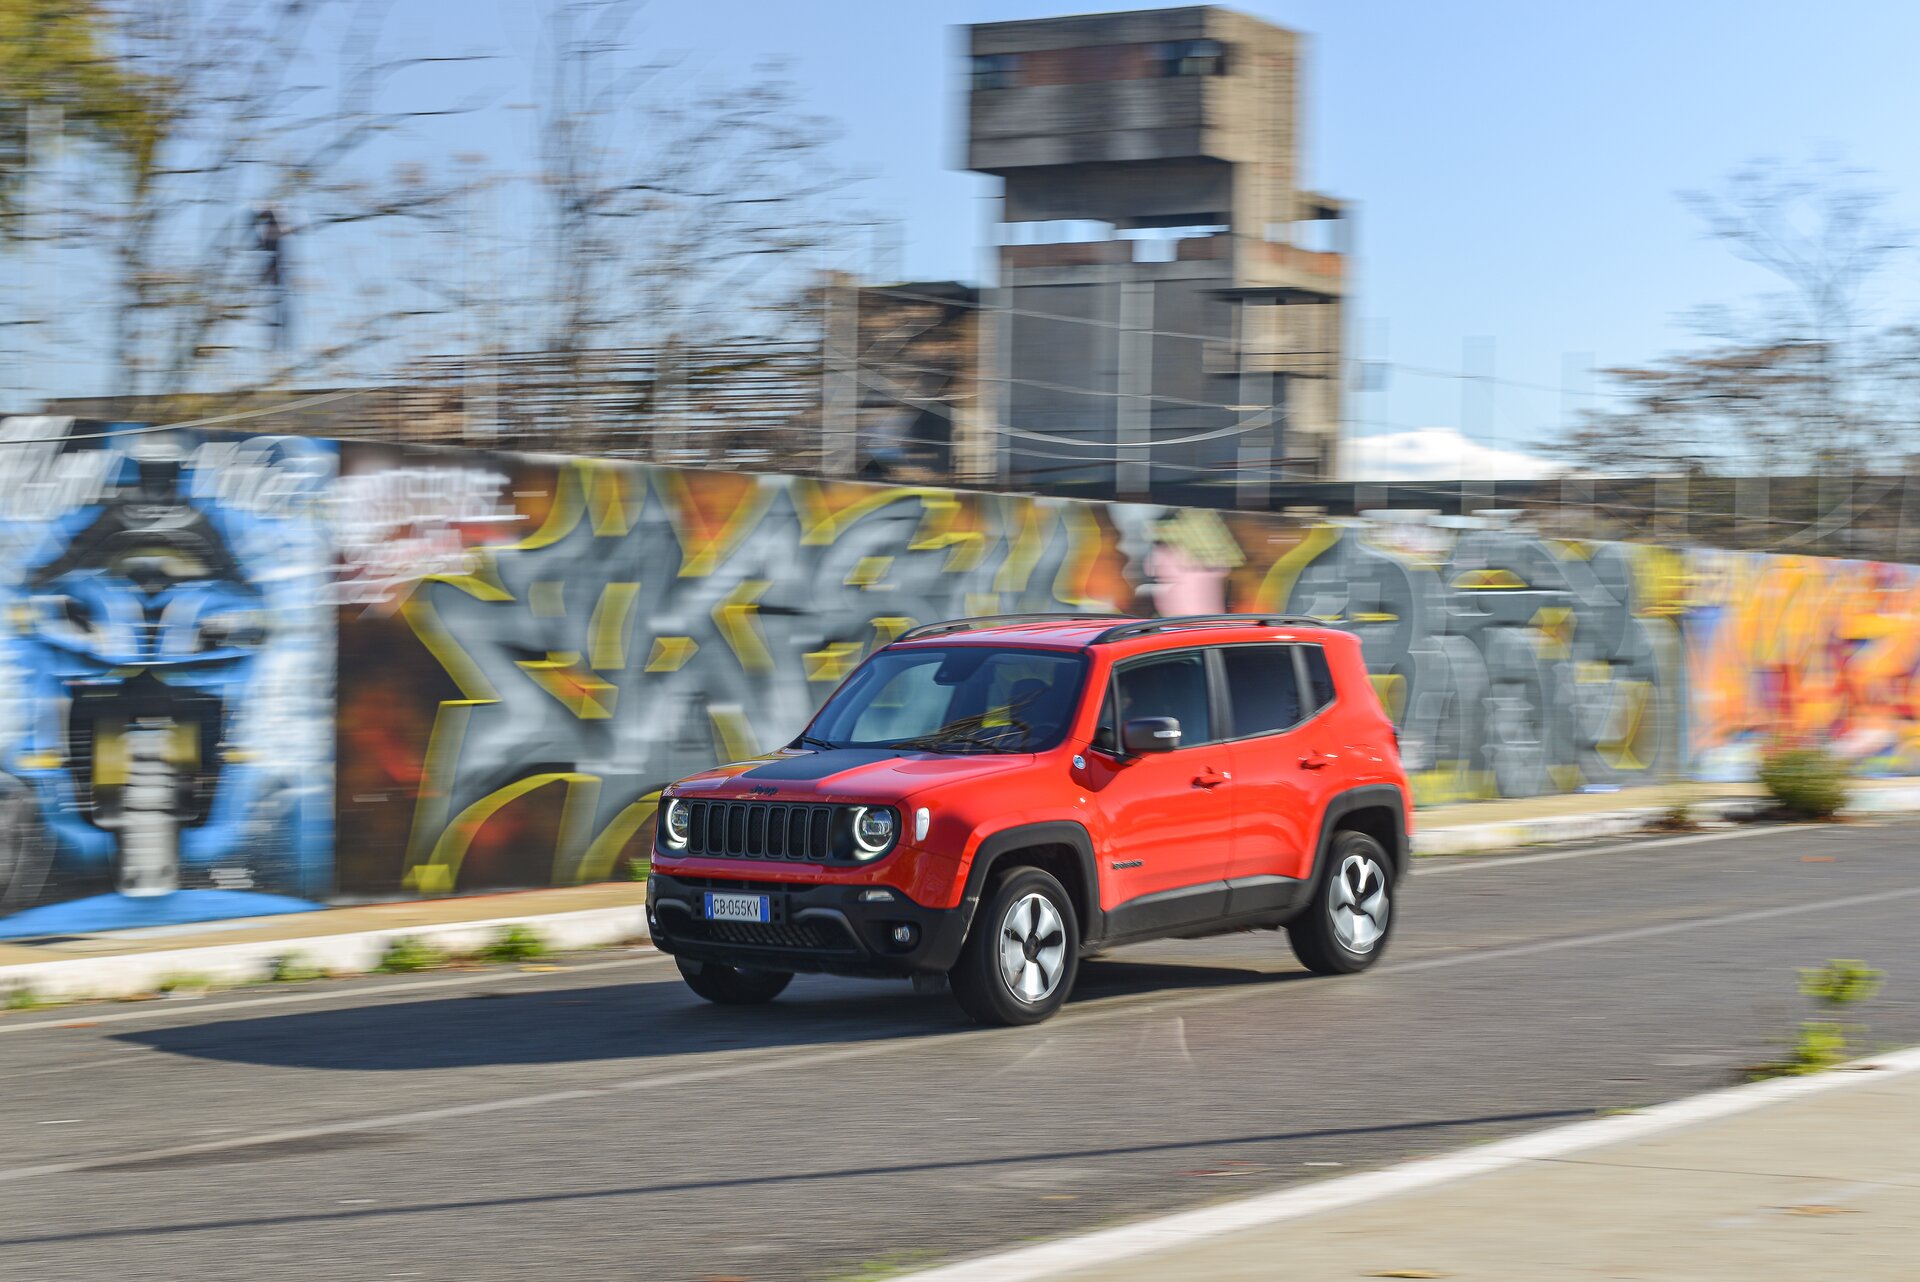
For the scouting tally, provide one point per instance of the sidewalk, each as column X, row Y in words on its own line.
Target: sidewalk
column 1823, row 1186
column 352, row 939
column 1475, row 826
column 345, row 940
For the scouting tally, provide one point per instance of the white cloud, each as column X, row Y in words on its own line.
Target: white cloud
column 1438, row 454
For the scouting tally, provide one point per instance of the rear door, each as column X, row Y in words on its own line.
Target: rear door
column 1272, row 708
column 1166, row 817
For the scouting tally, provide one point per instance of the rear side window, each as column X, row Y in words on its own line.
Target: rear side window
column 1319, row 676
column 1175, row 687
column 1263, row 689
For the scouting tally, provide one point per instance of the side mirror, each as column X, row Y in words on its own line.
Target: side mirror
column 1151, row 734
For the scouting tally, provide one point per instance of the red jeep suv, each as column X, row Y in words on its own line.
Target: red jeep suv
column 994, row 799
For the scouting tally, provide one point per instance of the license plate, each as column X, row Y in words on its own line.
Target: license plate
column 722, row 907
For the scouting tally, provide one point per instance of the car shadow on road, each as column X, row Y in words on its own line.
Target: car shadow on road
column 543, row 1025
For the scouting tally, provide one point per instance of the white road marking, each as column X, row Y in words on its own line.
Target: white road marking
column 1111, row 1008
column 1644, row 932
column 1435, row 865
column 80, row 1065
column 84, row 1015
column 1188, row 1229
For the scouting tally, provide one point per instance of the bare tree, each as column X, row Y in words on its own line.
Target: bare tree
column 250, row 165
column 1801, row 379
column 678, row 219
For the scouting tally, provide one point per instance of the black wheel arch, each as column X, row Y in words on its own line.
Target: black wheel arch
column 1062, row 847
column 1378, row 810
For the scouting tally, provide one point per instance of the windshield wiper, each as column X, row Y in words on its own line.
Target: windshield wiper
column 807, row 740
column 949, row 743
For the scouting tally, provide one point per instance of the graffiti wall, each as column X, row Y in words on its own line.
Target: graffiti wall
column 508, row 656
column 1513, row 665
column 1802, row 649
column 579, row 634
column 166, row 674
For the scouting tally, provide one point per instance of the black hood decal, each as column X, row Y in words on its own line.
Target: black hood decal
column 814, row 766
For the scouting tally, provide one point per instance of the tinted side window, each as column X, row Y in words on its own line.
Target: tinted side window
column 1262, row 688
column 1319, row 676
column 1172, row 687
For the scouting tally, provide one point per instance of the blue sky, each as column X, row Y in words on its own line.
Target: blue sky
column 1514, row 165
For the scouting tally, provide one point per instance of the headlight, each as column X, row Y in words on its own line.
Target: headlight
column 872, row 831
column 676, row 822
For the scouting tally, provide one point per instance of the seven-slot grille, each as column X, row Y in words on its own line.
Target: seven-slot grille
column 760, row 830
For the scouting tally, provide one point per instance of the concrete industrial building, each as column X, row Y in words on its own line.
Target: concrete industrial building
column 1168, row 317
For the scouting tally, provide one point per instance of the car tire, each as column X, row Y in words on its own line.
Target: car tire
column 1346, row 926
column 733, row 985
column 1022, row 953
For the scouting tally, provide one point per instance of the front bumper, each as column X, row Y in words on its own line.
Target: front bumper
column 824, row 928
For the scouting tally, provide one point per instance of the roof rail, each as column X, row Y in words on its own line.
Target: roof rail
column 1146, row 627
column 999, row 620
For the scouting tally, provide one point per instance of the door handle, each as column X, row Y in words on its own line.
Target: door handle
column 1211, row 778
column 1312, row 761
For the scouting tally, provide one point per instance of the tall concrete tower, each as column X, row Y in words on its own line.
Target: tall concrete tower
column 1167, row 322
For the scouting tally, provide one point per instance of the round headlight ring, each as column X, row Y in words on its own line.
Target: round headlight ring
column 873, row 830
column 676, row 823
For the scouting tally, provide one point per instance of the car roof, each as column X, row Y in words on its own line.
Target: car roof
column 1079, row 632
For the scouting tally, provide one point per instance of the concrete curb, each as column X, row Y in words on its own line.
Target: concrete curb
column 130, row 974
column 1472, row 839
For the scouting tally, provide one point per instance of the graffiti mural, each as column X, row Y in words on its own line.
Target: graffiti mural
column 254, row 674
column 509, row 720
column 1513, row 665
column 1800, row 649
column 166, row 677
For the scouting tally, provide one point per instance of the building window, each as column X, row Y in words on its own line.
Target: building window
column 995, row 70
column 1191, row 58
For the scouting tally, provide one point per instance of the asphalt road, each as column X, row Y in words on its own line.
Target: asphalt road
column 600, row 1122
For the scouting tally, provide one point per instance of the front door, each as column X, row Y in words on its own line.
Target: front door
column 1166, row 818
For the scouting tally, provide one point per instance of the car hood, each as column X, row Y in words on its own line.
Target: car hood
column 857, row 774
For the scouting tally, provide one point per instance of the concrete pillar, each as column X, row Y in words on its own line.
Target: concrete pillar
column 1133, row 469
column 840, row 378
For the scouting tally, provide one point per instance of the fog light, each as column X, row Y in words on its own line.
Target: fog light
column 904, row 934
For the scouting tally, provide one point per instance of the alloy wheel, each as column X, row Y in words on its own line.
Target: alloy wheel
column 1359, row 903
column 1033, row 948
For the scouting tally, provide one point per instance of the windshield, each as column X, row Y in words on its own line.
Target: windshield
column 968, row 698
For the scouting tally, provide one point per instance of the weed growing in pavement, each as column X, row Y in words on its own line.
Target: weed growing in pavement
column 515, row 944
column 292, row 968
column 407, row 953
column 1809, row 782
column 186, row 982
column 1677, row 817
column 1822, row 1043
column 890, row 1265
column 23, row 997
